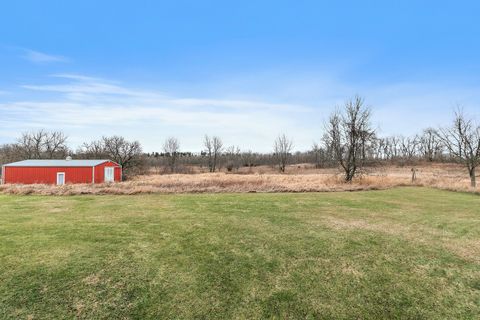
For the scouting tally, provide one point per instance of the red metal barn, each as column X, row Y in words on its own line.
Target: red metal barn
column 61, row 172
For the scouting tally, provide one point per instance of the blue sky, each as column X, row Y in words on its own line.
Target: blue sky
column 244, row 70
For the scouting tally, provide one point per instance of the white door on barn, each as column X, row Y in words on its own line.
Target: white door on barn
column 60, row 178
column 109, row 174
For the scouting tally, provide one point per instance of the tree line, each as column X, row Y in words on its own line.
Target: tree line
column 44, row 144
column 349, row 142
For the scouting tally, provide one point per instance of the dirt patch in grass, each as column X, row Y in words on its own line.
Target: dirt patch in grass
column 92, row 279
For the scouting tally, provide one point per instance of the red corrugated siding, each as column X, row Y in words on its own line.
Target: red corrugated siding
column 48, row 175
column 100, row 172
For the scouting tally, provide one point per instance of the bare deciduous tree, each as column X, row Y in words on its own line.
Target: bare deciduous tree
column 213, row 148
column 282, row 148
column 380, row 149
column 92, row 150
column 394, row 146
column 347, row 134
column 233, row 158
column 55, row 144
column 171, row 148
column 409, row 147
column 9, row 153
column 116, row 148
column 31, row 144
column 42, row 145
column 430, row 144
column 125, row 153
column 317, row 154
column 248, row 158
column 462, row 140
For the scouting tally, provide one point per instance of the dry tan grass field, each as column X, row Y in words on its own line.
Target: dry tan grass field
column 299, row 178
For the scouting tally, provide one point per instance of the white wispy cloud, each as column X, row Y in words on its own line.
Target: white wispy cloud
column 94, row 107
column 41, row 57
column 88, row 107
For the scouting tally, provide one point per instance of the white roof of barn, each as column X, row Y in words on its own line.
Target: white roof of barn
column 56, row 163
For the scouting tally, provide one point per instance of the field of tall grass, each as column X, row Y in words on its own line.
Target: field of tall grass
column 299, row 178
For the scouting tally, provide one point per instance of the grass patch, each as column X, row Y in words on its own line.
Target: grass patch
column 400, row 253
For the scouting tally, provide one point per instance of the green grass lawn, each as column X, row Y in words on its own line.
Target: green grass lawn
column 407, row 253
